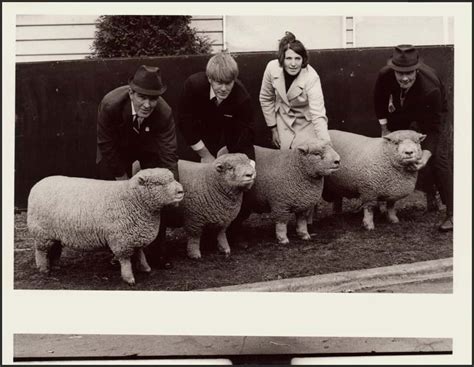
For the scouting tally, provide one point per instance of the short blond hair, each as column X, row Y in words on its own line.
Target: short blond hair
column 222, row 68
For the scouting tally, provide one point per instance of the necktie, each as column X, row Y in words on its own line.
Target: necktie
column 137, row 121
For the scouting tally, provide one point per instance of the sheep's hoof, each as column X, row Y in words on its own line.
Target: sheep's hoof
column 227, row 254
column 43, row 270
column 369, row 227
column 130, row 281
column 284, row 241
column 393, row 220
column 304, row 236
column 194, row 255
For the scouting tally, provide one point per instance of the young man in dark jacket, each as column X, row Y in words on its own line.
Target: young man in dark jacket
column 215, row 112
column 409, row 95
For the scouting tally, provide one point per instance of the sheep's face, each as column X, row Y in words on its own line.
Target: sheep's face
column 157, row 186
column 319, row 158
column 404, row 147
column 235, row 170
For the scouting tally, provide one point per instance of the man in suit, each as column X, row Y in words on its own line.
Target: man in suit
column 215, row 112
column 410, row 95
column 136, row 124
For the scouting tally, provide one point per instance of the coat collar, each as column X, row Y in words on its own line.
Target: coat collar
column 296, row 87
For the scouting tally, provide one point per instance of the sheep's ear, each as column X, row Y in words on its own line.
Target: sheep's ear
column 220, row 167
column 421, row 137
column 303, row 149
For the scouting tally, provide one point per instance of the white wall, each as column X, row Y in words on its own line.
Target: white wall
column 416, row 30
column 66, row 37
column 262, row 33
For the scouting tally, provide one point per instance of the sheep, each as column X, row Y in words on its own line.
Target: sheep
column 291, row 181
column 87, row 214
column 213, row 197
column 374, row 169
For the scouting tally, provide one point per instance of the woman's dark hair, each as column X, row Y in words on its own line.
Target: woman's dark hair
column 289, row 42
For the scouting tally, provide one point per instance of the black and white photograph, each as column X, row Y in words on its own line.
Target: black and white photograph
column 237, row 183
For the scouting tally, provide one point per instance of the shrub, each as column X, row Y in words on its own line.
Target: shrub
column 134, row 36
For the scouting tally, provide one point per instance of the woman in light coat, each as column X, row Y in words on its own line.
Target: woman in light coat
column 291, row 97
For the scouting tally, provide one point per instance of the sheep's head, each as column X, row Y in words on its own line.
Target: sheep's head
column 236, row 170
column 403, row 147
column 318, row 158
column 156, row 187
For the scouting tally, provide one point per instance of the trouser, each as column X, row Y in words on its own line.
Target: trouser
column 438, row 173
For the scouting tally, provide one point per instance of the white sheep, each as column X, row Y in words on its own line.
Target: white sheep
column 86, row 214
column 374, row 169
column 291, row 181
column 213, row 197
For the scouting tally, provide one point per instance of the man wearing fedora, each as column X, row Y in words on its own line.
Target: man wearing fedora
column 409, row 95
column 136, row 124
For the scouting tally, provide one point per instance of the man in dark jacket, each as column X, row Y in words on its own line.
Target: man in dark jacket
column 409, row 95
column 136, row 124
column 215, row 112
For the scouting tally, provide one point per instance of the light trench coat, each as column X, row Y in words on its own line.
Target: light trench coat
column 299, row 114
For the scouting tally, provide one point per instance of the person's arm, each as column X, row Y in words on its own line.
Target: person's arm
column 189, row 124
column 381, row 102
column 168, row 146
column 107, row 137
column 316, row 107
column 267, row 102
column 240, row 136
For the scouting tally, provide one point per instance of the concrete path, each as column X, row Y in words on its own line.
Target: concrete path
column 421, row 277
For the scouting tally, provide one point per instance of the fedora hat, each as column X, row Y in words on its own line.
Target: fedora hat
column 404, row 59
column 147, row 80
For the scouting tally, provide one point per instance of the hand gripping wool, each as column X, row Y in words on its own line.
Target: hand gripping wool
column 291, row 181
column 213, row 197
column 374, row 169
column 86, row 214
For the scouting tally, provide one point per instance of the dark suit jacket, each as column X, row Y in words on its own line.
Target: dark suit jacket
column 229, row 124
column 119, row 145
column 425, row 104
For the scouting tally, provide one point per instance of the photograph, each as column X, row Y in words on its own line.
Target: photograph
column 205, row 160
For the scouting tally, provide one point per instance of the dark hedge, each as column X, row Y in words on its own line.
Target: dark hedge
column 134, row 36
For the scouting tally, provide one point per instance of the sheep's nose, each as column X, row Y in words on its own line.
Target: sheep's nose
column 409, row 152
column 337, row 162
column 249, row 175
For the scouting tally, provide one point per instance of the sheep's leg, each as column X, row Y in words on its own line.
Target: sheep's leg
column 391, row 212
column 337, row 206
column 368, row 220
column 54, row 254
column 142, row 263
column 222, row 243
column 302, row 225
column 126, row 270
column 281, row 232
column 383, row 207
column 193, row 246
column 42, row 259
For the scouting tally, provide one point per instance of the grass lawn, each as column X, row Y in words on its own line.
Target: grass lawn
column 339, row 243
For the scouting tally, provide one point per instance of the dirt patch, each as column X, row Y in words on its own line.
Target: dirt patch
column 339, row 243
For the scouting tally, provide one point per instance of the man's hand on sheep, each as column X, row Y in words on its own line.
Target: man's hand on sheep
column 422, row 162
column 206, row 156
